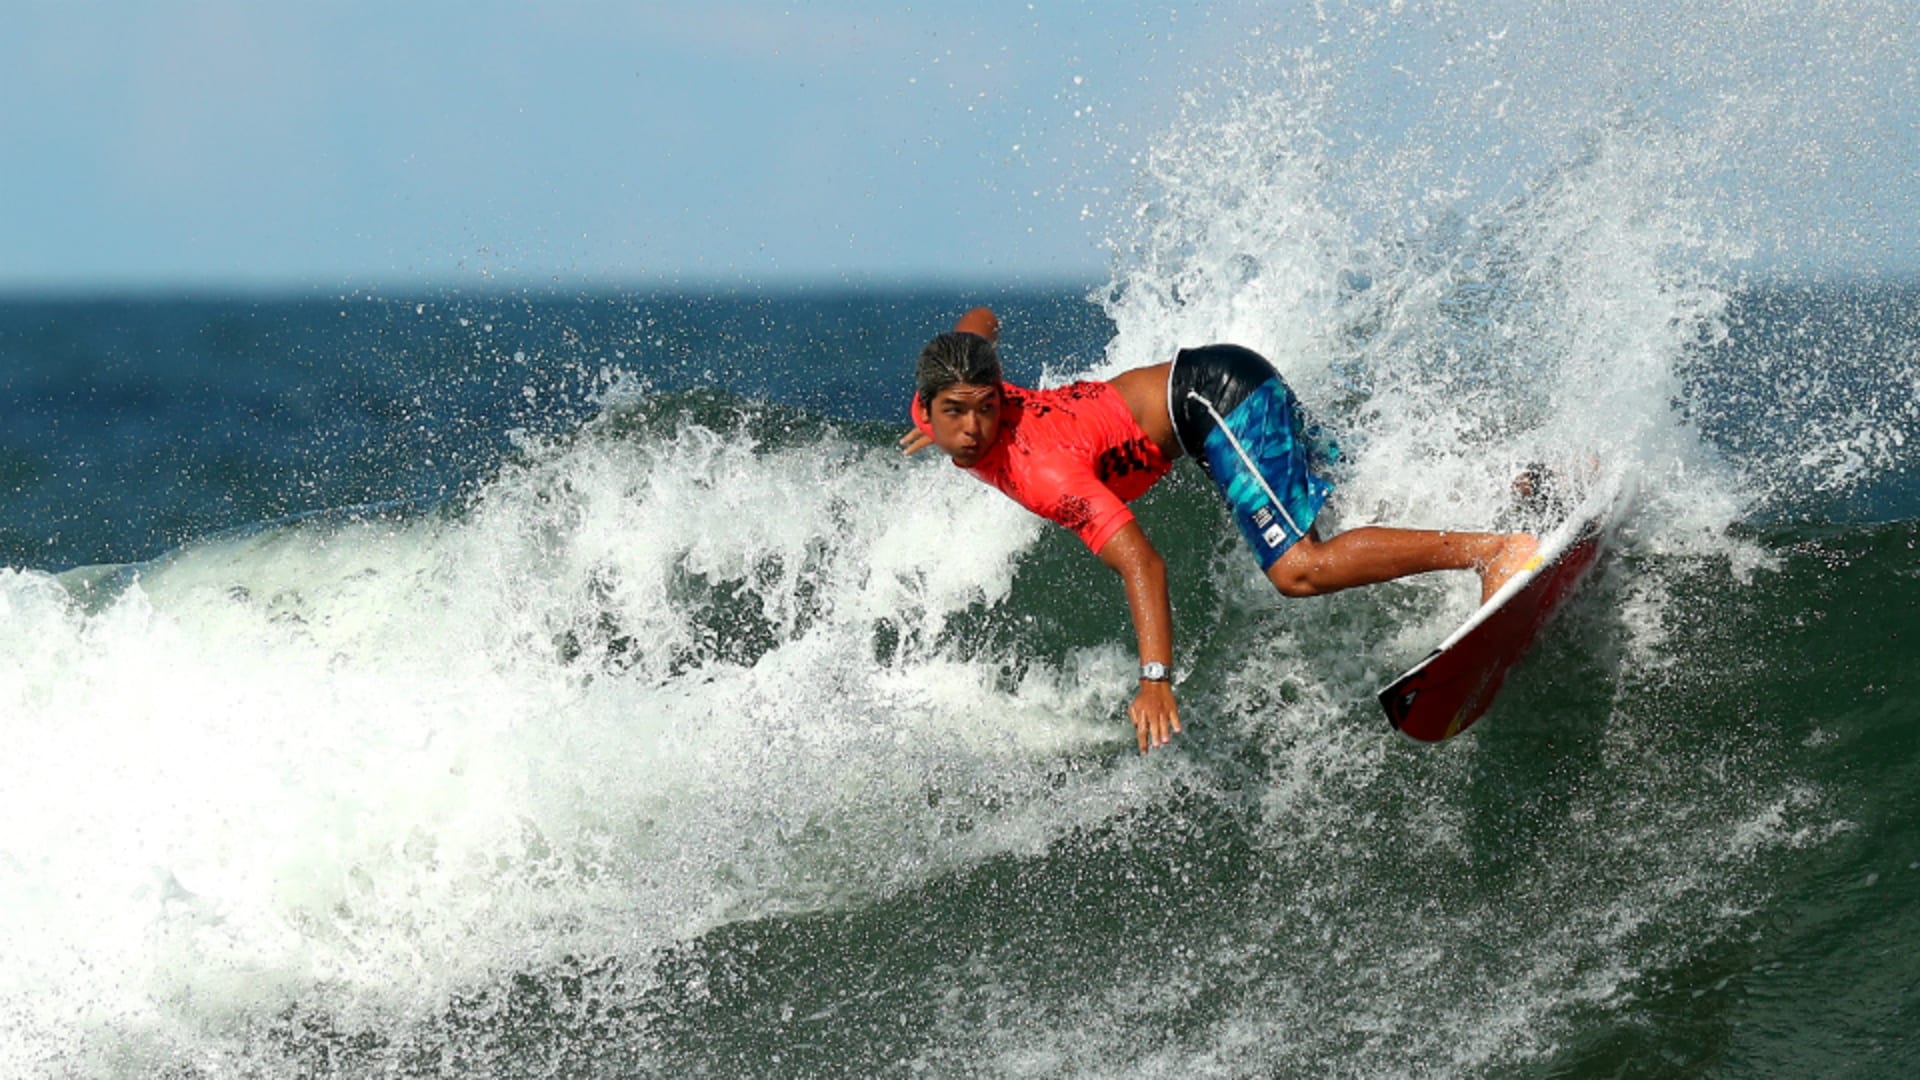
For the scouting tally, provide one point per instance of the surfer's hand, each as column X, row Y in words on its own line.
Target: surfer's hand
column 1155, row 715
column 914, row 441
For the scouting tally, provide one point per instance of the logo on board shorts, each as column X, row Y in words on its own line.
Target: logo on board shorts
column 1274, row 534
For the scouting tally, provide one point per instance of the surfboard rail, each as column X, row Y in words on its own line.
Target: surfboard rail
column 1455, row 684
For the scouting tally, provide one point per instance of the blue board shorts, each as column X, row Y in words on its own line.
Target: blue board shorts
column 1235, row 416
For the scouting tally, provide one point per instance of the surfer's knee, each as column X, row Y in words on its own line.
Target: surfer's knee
column 1295, row 573
column 1295, row 586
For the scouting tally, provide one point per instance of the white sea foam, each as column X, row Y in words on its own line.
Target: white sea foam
column 1449, row 333
column 363, row 766
column 646, row 685
column 1452, row 343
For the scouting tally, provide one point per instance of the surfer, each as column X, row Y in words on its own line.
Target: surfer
column 1077, row 454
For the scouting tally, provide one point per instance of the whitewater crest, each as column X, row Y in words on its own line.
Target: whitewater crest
column 699, row 666
column 655, row 677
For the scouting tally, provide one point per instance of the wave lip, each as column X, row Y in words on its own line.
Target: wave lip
column 364, row 764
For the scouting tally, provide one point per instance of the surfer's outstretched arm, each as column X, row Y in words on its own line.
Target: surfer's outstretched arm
column 1155, row 714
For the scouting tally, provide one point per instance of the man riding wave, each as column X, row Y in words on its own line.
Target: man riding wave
column 1077, row 454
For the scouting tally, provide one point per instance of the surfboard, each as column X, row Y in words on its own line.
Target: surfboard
column 1455, row 684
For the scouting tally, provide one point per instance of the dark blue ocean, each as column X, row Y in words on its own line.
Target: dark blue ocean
column 524, row 684
column 549, row 682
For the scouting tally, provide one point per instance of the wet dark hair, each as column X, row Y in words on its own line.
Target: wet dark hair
column 953, row 358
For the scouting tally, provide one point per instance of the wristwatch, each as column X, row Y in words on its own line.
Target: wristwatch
column 1154, row 671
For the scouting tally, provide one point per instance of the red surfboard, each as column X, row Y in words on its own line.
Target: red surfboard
column 1445, row 693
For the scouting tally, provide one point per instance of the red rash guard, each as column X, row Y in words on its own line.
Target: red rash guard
column 1074, row 455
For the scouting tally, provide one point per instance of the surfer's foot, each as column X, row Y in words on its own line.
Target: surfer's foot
column 1533, row 484
column 1513, row 556
column 1539, row 495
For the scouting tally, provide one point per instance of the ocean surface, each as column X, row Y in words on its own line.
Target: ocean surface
column 533, row 682
column 533, row 685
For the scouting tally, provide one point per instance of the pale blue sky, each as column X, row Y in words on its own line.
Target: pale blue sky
column 268, row 145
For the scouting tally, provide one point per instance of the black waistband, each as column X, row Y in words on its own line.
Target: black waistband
column 1222, row 375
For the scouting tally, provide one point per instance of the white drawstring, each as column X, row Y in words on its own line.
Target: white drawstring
column 1242, row 451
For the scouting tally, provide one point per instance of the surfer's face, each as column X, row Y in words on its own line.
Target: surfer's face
column 966, row 420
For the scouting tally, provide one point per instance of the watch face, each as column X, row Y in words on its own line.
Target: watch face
column 1154, row 671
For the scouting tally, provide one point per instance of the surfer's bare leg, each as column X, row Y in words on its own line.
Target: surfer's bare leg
column 1372, row 554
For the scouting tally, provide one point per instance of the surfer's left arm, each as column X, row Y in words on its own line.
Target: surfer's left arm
column 1155, row 713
